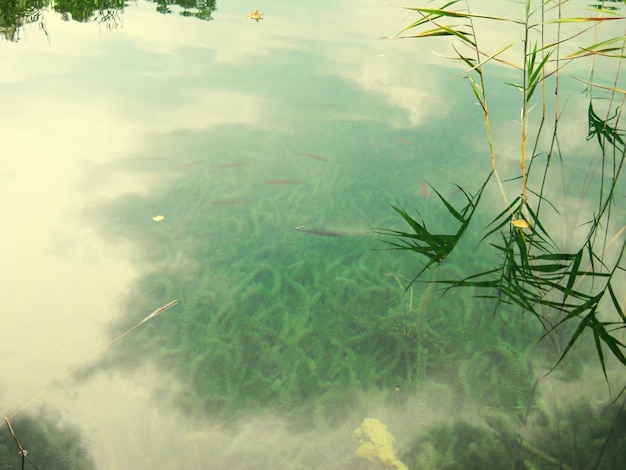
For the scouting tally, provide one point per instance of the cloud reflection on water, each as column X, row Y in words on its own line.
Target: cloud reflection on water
column 85, row 99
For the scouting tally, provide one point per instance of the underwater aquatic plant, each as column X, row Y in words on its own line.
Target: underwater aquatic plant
column 375, row 444
column 47, row 444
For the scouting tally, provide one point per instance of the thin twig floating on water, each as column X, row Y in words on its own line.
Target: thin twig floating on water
column 157, row 312
column 22, row 452
column 83, row 363
column 321, row 233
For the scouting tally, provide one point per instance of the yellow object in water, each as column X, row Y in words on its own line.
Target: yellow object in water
column 158, row 218
column 520, row 223
column 255, row 15
column 376, row 444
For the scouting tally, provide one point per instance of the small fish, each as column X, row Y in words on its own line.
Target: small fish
column 280, row 181
column 423, row 190
column 320, row 105
column 227, row 165
column 455, row 192
column 192, row 164
column 226, row 202
column 143, row 159
column 312, row 156
column 321, row 233
column 405, row 141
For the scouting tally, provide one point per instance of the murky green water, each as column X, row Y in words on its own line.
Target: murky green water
column 242, row 167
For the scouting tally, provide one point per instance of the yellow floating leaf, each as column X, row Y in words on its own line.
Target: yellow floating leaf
column 255, row 15
column 158, row 218
column 520, row 223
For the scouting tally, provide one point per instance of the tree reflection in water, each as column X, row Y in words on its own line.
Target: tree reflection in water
column 16, row 13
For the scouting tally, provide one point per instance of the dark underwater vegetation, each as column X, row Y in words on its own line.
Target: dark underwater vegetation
column 271, row 317
column 48, row 444
column 309, row 328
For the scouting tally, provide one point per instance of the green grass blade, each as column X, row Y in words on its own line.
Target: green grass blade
column 616, row 304
column 583, row 19
column 585, row 323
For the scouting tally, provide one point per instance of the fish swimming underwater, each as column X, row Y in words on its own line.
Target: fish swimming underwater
column 319, row 232
column 312, row 156
column 284, row 181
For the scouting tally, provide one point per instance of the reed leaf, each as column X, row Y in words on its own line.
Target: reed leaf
column 584, row 19
column 531, row 271
column 603, row 130
column 434, row 246
column 442, row 12
column 443, row 31
column 534, row 71
column 600, row 47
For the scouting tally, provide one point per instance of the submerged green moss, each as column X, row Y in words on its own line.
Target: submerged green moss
column 48, row 444
column 273, row 318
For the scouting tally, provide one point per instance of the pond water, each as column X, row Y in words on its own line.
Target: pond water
column 242, row 167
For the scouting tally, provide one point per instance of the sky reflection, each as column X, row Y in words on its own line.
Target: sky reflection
column 91, row 114
column 83, row 97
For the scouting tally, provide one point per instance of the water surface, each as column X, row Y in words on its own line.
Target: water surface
column 240, row 167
